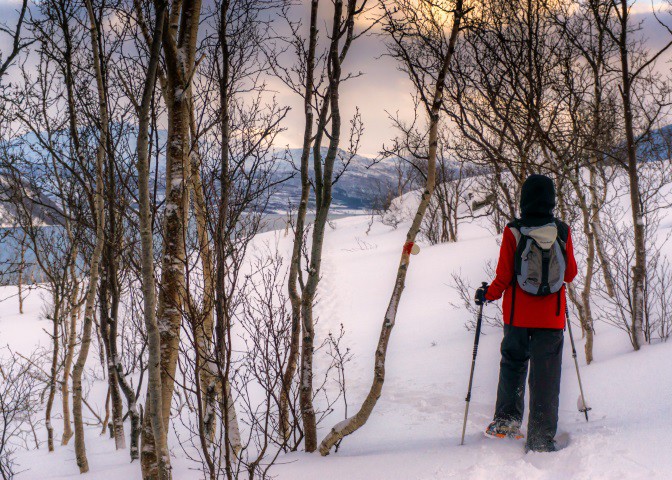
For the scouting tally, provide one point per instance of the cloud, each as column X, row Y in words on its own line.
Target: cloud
column 382, row 88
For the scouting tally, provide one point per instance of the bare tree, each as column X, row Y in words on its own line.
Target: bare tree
column 640, row 112
column 19, row 402
column 157, row 465
column 450, row 204
column 499, row 81
column 423, row 38
column 263, row 319
column 99, row 219
column 179, row 41
column 53, row 163
column 52, row 235
column 320, row 77
column 233, row 176
column 18, row 42
column 295, row 264
column 582, row 93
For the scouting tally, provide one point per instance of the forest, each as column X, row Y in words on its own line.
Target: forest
column 190, row 190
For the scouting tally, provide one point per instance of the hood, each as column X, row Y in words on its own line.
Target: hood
column 537, row 200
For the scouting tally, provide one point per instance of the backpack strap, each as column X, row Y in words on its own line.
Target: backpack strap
column 563, row 236
column 514, row 226
column 563, row 231
column 544, row 288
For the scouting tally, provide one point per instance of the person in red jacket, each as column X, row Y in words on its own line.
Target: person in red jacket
column 533, row 327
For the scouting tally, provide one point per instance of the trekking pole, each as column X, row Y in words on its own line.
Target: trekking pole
column 585, row 406
column 473, row 366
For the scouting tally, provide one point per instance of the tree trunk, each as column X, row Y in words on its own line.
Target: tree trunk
column 204, row 331
column 106, row 418
column 231, row 432
column 108, row 334
column 595, row 204
column 169, row 314
column 74, row 134
column 22, row 267
column 110, row 300
column 133, row 412
column 295, row 265
column 179, row 43
column 323, row 185
column 586, row 315
column 155, row 460
column 638, row 270
column 324, row 181
column 70, row 353
column 78, row 370
column 99, row 209
column 54, row 371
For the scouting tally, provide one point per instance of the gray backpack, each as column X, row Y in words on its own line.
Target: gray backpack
column 540, row 260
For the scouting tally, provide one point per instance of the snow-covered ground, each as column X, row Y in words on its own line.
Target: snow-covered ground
column 414, row 432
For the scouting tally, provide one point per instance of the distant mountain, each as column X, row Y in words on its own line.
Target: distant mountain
column 42, row 209
column 358, row 186
column 357, row 189
column 655, row 145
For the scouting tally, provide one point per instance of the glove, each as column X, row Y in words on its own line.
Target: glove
column 479, row 298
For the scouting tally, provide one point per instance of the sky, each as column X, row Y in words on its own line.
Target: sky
column 381, row 89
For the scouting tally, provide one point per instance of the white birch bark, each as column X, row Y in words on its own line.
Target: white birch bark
column 155, row 459
column 78, row 370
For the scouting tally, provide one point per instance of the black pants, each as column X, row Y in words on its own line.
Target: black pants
column 542, row 347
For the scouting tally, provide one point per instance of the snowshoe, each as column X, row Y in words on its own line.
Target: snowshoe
column 560, row 442
column 504, row 429
column 545, row 447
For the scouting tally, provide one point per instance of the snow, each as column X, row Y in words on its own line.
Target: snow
column 5, row 218
column 414, row 432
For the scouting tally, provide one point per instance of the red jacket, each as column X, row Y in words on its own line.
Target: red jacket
column 530, row 311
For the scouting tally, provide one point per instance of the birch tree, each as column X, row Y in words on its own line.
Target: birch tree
column 243, row 171
column 179, row 40
column 75, row 309
column 317, row 79
column 233, row 175
column 581, row 102
column 58, row 165
column 423, row 38
column 644, row 98
column 295, row 263
column 55, row 255
column 156, row 466
column 18, row 41
column 99, row 219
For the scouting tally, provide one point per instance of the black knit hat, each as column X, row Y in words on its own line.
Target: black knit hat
column 537, row 200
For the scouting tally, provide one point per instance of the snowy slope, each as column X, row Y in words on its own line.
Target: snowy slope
column 414, row 431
